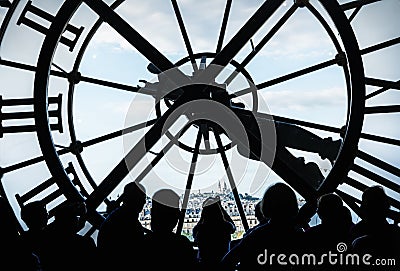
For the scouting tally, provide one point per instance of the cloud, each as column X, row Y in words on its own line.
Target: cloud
column 290, row 99
column 155, row 23
column 300, row 37
column 106, row 35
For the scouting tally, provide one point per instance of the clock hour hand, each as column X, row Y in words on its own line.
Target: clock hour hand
column 268, row 140
column 293, row 136
column 155, row 57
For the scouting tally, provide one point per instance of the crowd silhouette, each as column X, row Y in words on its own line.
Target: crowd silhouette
column 124, row 244
column 15, row 254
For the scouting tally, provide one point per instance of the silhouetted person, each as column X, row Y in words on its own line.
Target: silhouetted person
column 35, row 216
column 373, row 234
column 166, row 250
column 259, row 214
column 14, row 254
column 334, row 229
column 278, row 236
column 69, row 250
column 120, row 237
column 212, row 234
column 374, row 210
column 260, row 217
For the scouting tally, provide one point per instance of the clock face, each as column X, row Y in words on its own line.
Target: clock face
column 211, row 96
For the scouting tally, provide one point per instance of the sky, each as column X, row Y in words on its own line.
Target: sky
column 319, row 97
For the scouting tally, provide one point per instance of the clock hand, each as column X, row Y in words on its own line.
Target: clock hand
column 292, row 170
column 133, row 157
column 263, row 146
column 184, row 33
column 340, row 58
column 290, row 133
column 224, row 24
column 135, row 39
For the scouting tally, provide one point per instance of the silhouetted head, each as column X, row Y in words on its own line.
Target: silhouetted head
column 330, row 207
column 67, row 216
column 346, row 216
column 35, row 215
column 134, row 196
column 212, row 210
column 164, row 210
column 258, row 212
column 374, row 203
column 279, row 203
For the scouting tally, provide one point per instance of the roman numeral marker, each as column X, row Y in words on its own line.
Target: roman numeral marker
column 9, row 112
column 37, row 12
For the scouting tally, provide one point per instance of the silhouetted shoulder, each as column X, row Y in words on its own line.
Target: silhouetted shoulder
column 171, row 251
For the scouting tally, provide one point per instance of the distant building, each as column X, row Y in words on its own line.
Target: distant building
column 194, row 208
column 228, row 203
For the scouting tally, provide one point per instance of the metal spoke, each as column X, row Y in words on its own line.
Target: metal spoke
column 351, row 201
column 354, row 13
column 379, row 91
column 79, row 78
column 87, row 143
column 263, row 42
column 361, row 186
column 115, row 85
column 378, row 163
column 30, row 162
column 275, row 118
column 287, row 77
column 24, row 66
column 119, row 133
column 326, row 26
column 206, row 136
column 184, row 34
column 380, row 46
column 189, row 182
column 223, row 25
column 375, row 177
column 231, row 181
column 232, row 48
column 382, row 109
column 381, row 139
column 322, row 127
column 382, row 83
column 357, row 4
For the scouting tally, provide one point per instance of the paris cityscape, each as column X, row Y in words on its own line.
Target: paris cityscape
column 193, row 210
